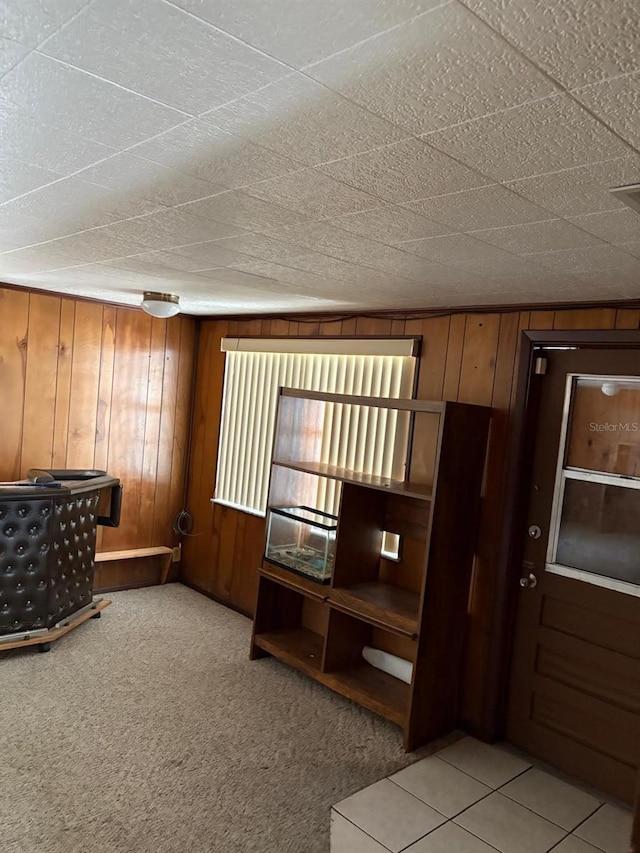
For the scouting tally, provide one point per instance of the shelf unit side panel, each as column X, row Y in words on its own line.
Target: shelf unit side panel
column 450, row 559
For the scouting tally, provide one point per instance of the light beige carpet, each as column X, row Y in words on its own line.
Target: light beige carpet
column 149, row 730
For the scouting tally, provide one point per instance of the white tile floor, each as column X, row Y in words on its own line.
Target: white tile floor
column 473, row 797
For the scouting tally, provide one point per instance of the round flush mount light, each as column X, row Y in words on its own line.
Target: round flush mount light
column 161, row 304
column 609, row 389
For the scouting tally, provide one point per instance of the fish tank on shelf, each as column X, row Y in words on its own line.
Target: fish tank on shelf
column 302, row 540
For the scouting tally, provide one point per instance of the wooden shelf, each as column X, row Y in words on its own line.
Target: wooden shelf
column 406, row 405
column 298, row 647
column 293, row 581
column 332, row 472
column 414, row 607
column 381, row 604
column 376, row 690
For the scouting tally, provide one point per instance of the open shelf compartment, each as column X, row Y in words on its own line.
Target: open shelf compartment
column 299, row 647
column 382, row 591
column 348, row 673
column 379, row 692
column 290, row 625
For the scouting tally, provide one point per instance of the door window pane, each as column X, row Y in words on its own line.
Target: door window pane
column 604, row 430
column 600, row 530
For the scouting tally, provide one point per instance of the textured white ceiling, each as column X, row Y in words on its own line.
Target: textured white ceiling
column 281, row 155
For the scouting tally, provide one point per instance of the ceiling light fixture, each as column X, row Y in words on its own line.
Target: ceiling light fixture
column 629, row 195
column 161, row 304
column 609, row 389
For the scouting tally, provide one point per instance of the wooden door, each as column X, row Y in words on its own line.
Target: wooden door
column 574, row 697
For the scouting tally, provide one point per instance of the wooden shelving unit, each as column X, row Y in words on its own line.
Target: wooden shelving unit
column 413, row 606
column 381, row 604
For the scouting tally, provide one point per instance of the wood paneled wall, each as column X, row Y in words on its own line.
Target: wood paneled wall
column 87, row 385
column 466, row 357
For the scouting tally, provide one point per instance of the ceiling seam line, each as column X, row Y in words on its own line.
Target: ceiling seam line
column 64, row 24
column 563, row 89
column 120, row 86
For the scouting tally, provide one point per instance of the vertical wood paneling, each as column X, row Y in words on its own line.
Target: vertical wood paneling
column 627, row 318
column 349, row 326
column 14, row 322
column 180, row 445
column 485, row 566
column 153, row 415
column 476, row 385
column 277, row 328
column 545, row 320
column 506, row 360
column 250, row 327
column 332, row 329
column 373, row 326
column 477, row 368
column 225, row 529
column 309, row 329
column 433, row 355
column 162, row 502
column 200, row 551
column 92, row 386
column 585, row 318
column 453, row 363
column 83, row 391
column 40, row 384
column 105, row 388
column 63, row 382
column 468, row 357
column 128, row 419
column 250, row 535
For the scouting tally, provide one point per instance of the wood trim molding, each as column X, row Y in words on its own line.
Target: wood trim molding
column 425, row 313
column 515, row 506
column 389, row 313
column 75, row 297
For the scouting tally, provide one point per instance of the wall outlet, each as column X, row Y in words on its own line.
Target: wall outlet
column 177, row 554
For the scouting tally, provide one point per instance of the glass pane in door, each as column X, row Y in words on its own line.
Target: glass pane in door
column 599, row 530
column 604, row 427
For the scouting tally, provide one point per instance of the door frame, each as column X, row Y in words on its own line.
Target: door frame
column 519, row 469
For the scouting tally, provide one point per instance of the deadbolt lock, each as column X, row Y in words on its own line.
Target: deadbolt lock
column 535, row 532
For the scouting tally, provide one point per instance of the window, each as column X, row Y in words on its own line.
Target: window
column 254, row 371
column 594, row 531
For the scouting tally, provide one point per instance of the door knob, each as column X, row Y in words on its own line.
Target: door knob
column 529, row 582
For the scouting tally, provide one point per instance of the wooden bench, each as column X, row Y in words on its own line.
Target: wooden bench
column 167, row 554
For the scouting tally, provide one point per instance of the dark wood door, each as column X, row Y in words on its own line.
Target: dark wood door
column 574, row 696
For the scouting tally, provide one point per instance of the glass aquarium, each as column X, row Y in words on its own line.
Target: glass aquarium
column 302, row 540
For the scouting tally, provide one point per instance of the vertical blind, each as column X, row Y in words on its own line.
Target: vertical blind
column 362, row 440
